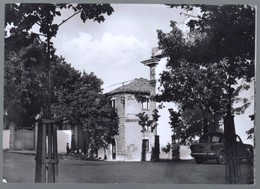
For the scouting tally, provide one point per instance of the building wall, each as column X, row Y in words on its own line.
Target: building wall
column 133, row 141
column 120, row 138
column 129, row 140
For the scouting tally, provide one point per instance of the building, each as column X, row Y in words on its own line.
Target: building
column 127, row 146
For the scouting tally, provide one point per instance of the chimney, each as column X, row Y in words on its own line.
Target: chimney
column 151, row 63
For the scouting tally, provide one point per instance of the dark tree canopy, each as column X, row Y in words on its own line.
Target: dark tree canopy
column 76, row 97
column 23, row 79
column 203, row 67
column 25, row 16
column 213, row 61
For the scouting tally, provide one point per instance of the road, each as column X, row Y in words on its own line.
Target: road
column 20, row 168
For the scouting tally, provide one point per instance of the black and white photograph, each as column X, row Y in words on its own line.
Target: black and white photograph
column 129, row 93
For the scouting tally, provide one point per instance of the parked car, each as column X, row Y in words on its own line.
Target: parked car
column 212, row 146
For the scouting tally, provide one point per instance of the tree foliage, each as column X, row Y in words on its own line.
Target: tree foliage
column 77, row 97
column 204, row 67
column 146, row 122
column 167, row 148
column 23, row 78
column 74, row 96
column 25, row 16
column 79, row 100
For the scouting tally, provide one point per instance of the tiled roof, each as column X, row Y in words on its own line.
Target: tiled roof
column 138, row 86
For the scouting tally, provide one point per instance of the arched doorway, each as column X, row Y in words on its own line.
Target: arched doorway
column 113, row 149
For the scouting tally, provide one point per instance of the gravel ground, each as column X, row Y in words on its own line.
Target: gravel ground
column 20, row 168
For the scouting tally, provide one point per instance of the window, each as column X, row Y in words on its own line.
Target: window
column 123, row 101
column 145, row 105
column 215, row 138
column 113, row 103
column 205, row 138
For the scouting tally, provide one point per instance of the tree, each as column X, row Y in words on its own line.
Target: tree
column 25, row 16
column 187, row 83
column 224, row 49
column 145, row 122
column 251, row 131
column 230, row 33
column 189, row 124
column 177, row 129
column 24, row 68
column 167, row 148
column 79, row 100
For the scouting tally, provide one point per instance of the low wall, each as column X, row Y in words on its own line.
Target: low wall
column 24, row 139
column 64, row 137
column 6, row 139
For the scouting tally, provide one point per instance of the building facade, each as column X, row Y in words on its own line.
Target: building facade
column 127, row 146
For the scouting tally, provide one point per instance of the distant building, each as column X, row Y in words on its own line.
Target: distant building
column 127, row 146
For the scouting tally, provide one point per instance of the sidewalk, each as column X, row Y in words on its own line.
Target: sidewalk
column 26, row 152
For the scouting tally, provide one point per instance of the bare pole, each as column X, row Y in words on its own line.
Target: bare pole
column 48, row 77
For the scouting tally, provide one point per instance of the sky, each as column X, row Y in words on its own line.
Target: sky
column 117, row 46
column 114, row 49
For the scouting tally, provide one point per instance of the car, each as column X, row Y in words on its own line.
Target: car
column 212, row 146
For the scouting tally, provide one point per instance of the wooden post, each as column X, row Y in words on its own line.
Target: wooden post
column 43, row 153
column 55, row 152
column 38, row 158
column 47, row 154
column 36, row 135
column 50, row 165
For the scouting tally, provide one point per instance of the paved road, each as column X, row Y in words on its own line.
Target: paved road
column 20, row 168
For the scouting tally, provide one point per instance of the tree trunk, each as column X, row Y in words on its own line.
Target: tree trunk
column 86, row 142
column 205, row 125
column 233, row 174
